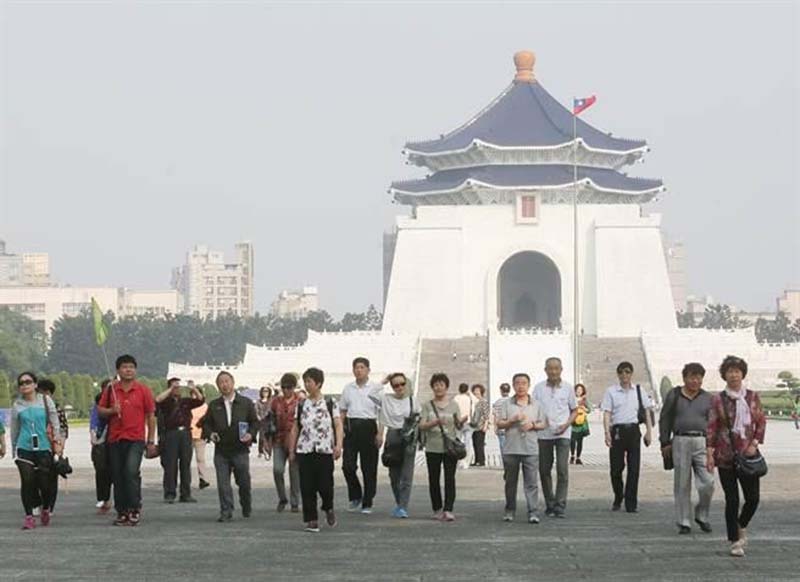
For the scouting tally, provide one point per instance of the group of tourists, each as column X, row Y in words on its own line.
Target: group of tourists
column 370, row 424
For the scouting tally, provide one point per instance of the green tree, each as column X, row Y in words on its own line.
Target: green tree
column 721, row 316
column 685, row 319
column 22, row 342
column 373, row 319
column 5, row 391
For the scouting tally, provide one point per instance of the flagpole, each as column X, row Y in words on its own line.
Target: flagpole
column 575, row 291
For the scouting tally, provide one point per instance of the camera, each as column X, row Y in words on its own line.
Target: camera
column 35, row 442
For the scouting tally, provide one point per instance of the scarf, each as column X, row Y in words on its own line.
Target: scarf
column 743, row 419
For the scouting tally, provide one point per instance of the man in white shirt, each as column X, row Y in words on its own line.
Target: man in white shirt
column 621, row 405
column 359, row 416
column 557, row 399
column 466, row 405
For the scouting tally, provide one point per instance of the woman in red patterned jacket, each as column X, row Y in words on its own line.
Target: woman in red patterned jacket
column 736, row 412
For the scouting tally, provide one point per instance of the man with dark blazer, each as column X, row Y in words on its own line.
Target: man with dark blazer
column 231, row 424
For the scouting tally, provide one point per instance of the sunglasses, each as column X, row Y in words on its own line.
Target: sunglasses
column 398, row 385
column 26, row 382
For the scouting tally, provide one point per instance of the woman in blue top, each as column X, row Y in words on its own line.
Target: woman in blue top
column 32, row 447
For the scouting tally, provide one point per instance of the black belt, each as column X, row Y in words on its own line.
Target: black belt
column 357, row 420
column 692, row 433
column 626, row 425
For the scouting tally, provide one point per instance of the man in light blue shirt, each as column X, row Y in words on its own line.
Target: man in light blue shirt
column 620, row 406
column 557, row 399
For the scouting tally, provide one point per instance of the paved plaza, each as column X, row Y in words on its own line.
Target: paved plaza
column 184, row 541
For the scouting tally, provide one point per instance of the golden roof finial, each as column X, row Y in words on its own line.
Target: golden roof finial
column 524, row 61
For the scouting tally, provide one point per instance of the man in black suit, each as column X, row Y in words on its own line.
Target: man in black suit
column 231, row 424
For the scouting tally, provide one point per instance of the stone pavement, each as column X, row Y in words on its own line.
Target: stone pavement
column 182, row 542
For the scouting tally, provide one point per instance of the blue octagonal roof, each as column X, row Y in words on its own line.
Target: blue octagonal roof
column 525, row 115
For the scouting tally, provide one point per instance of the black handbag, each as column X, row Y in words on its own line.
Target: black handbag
column 393, row 449
column 62, row 467
column 669, row 461
column 744, row 466
column 453, row 448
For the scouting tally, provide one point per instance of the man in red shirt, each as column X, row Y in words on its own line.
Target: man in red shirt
column 129, row 406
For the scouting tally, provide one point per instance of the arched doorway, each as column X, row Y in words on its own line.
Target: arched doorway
column 529, row 292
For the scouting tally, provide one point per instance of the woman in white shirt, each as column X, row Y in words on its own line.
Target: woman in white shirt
column 399, row 416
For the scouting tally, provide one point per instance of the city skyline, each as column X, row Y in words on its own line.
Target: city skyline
column 297, row 146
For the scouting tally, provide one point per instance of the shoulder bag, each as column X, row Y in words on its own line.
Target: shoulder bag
column 755, row 466
column 453, row 448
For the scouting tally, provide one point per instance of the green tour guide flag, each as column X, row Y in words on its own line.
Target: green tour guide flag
column 100, row 328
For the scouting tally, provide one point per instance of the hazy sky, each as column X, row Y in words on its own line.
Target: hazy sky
column 132, row 131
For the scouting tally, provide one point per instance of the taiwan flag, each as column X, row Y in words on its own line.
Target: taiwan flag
column 579, row 105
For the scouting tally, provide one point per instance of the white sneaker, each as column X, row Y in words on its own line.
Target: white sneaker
column 37, row 511
column 737, row 549
column 99, row 504
column 743, row 536
column 508, row 517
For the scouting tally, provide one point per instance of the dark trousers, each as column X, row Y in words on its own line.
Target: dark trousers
column 237, row 463
column 557, row 450
column 576, row 444
column 435, row 462
column 316, row 477
column 102, row 472
column 34, row 476
column 479, row 446
column 126, row 463
column 359, row 441
column 626, row 446
column 730, row 485
column 53, row 476
column 176, row 453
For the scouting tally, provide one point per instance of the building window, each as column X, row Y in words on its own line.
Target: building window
column 73, row 309
column 527, row 209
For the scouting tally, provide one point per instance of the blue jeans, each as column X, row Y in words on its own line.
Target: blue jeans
column 126, row 462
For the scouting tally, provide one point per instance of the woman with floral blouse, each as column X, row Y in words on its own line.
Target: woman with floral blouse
column 316, row 442
column 735, row 412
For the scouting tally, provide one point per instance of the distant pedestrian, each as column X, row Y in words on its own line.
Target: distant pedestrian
column 625, row 407
column 265, row 420
column 98, row 438
column 682, row 432
column 557, row 399
column 315, row 442
column 580, row 426
column 505, row 390
column 176, row 442
column 521, row 416
column 129, row 407
column 284, row 408
column 231, row 424
column 481, row 417
column 736, row 426
column 441, row 419
column 796, row 413
column 35, row 434
column 466, row 406
column 198, row 442
column 48, row 387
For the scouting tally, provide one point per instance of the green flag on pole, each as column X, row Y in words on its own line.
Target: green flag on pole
column 100, row 327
